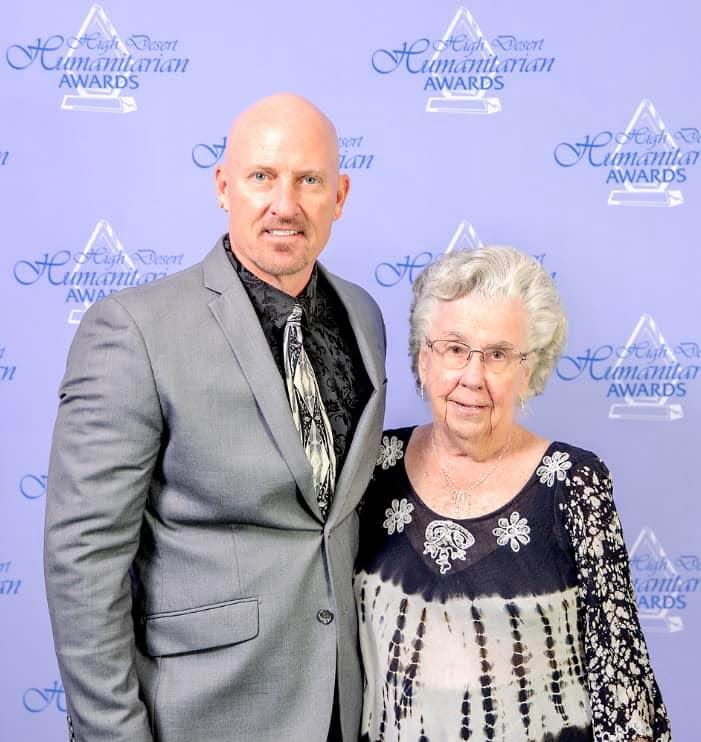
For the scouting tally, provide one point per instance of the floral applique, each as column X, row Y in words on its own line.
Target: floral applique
column 390, row 452
column 447, row 541
column 513, row 531
column 553, row 467
column 398, row 516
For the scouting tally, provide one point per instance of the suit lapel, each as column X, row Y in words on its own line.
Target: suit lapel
column 363, row 326
column 362, row 452
column 237, row 319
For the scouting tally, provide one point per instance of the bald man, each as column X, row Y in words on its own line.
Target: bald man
column 215, row 433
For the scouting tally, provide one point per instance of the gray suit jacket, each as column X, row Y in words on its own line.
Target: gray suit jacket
column 176, row 462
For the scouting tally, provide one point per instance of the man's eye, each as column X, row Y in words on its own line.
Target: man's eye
column 260, row 177
column 497, row 354
column 455, row 349
column 311, row 179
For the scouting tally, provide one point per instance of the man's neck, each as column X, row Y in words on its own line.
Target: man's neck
column 292, row 284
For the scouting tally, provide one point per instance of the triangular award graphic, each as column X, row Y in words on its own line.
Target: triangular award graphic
column 103, row 241
column 646, row 121
column 646, row 334
column 658, row 583
column 464, row 24
column 96, row 99
column 464, row 238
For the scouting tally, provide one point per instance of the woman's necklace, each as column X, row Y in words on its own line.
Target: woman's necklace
column 460, row 494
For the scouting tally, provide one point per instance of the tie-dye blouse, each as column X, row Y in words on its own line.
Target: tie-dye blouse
column 516, row 625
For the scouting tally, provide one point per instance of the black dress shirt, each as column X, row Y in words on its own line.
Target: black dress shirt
column 328, row 340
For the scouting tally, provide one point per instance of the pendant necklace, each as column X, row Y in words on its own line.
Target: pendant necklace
column 461, row 494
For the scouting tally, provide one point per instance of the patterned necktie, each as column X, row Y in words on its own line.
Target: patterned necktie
column 308, row 411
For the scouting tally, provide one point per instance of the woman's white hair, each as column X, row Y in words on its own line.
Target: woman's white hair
column 490, row 272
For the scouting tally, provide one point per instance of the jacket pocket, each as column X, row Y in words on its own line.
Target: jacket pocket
column 205, row 627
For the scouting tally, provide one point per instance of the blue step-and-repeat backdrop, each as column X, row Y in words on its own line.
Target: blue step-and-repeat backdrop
column 572, row 131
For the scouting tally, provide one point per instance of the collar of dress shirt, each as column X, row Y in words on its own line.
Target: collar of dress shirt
column 269, row 301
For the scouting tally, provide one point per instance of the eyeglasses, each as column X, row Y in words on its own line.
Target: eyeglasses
column 455, row 355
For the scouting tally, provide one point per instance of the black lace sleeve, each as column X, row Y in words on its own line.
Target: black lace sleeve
column 625, row 700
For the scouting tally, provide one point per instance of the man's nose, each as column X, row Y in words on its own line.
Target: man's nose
column 285, row 203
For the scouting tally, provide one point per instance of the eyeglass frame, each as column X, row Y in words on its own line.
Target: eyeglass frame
column 515, row 354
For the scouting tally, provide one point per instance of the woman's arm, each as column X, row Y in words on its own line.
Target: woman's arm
column 625, row 700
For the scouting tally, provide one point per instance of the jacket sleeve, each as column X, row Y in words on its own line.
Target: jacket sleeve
column 625, row 701
column 105, row 445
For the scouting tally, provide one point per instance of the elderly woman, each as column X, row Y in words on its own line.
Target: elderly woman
column 492, row 583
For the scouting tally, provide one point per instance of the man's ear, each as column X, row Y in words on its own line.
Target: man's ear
column 221, row 184
column 341, row 195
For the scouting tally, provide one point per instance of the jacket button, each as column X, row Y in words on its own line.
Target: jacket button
column 324, row 616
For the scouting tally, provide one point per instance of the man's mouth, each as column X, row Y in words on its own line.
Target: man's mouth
column 283, row 232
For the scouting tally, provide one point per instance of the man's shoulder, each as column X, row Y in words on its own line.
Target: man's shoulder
column 171, row 299
column 182, row 283
column 182, row 288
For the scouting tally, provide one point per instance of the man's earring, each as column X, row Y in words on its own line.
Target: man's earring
column 421, row 390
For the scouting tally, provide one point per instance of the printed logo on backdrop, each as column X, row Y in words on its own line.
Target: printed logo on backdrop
column 642, row 165
column 33, row 486
column 405, row 269
column 643, row 378
column 7, row 368
column 4, row 157
column 37, row 700
column 206, row 155
column 352, row 155
column 98, row 69
column 9, row 585
column 103, row 267
column 464, row 68
column 663, row 585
